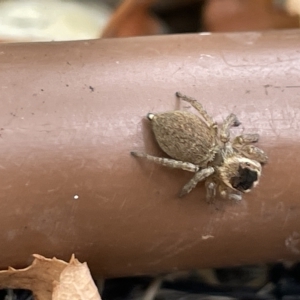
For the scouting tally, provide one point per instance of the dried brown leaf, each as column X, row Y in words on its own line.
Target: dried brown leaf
column 52, row 279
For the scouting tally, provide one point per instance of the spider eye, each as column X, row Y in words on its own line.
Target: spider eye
column 244, row 180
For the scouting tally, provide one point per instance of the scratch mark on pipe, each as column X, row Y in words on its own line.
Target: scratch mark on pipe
column 286, row 219
column 123, row 203
column 173, row 252
column 105, row 199
column 266, row 86
column 208, row 236
column 53, row 190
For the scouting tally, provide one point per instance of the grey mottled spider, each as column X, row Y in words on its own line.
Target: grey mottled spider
column 199, row 145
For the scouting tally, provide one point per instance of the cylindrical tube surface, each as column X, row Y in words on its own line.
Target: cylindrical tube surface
column 70, row 113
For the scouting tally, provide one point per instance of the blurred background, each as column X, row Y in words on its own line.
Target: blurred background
column 62, row 20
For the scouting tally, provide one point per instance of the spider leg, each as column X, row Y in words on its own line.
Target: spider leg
column 199, row 108
column 243, row 145
column 225, row 192
column 235, row 197
column 211, row 190
column 199, row 176
column 168, row 162
column 246, row 139
column 229, row 122
column 254, row 153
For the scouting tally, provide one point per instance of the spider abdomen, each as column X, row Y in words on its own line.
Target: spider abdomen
column 183, row 136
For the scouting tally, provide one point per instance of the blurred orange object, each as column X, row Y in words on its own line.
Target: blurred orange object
column 246, row 15
column 133, row 18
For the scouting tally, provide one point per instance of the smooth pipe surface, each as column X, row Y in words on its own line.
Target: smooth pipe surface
column 70, row 115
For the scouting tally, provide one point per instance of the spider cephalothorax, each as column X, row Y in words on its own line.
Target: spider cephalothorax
column 199, row 145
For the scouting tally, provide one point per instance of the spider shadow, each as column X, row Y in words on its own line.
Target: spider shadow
column 151, row 147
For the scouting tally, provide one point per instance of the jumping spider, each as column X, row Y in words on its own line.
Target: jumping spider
column 199, row 145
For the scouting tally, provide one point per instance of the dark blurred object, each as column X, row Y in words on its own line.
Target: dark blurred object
column 271, row 283
column 151, row 17
column 246, row 15
column 185, row 17
column 10, row 294
column 251, row 276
